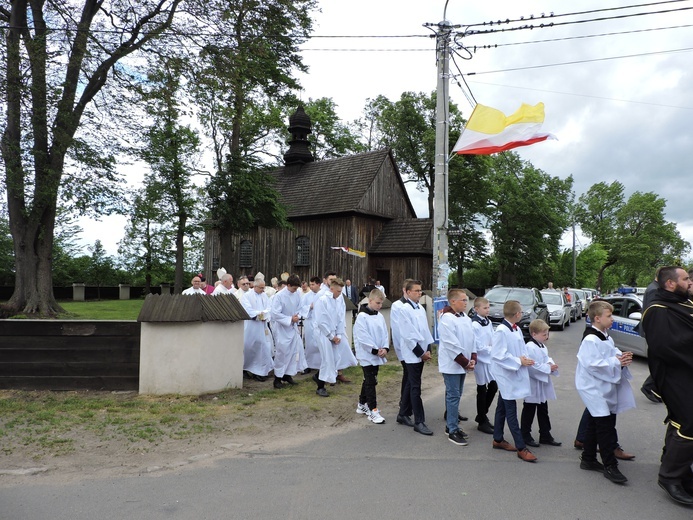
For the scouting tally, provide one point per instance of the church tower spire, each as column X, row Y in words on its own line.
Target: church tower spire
column 299, row 146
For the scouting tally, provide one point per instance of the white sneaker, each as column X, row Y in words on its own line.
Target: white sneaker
column 375, row 417
column 363, row 409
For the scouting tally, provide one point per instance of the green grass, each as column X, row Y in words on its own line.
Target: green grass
column 102, row 310
column 49, row 424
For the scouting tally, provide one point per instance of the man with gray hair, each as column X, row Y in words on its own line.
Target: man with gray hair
column 226, row 285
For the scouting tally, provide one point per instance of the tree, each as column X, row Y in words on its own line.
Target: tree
column 634, row 234
column 58, row 56
column 330, row 137
column 171, row 150
column 527, row 216
column 145, row 250
column 408, row 126
column 242, row 74
column 101, row 268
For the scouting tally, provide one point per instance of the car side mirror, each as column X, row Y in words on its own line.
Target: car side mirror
column 635, row 316
column 542, row 305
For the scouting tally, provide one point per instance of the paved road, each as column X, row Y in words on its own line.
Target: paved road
column 388, row 471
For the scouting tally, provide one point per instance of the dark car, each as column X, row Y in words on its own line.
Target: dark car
column 533, row 306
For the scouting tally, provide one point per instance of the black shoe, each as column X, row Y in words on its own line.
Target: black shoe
column 614, row 474
column 532, row 443
column 485, row 428
column 289, row 379
column 422, row 429
column 458, row 438
column 247, row 375
column 278, row 383
column 307, row 371
column 591, row 465
column 262, row 379
column 550, row 442
column 462, row 432
column 651, row 395
column 322, row 392
column 405, row 420
column 677, row 493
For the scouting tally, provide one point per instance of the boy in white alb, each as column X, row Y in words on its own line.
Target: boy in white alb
column 601, row 379
column 509, row 368
column 455, row 357
column 415, row 348
column 541, row 387
column 486, row 386
column 372, row 343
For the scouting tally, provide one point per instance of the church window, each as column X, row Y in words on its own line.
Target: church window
column 303, row 250
column 246, row 248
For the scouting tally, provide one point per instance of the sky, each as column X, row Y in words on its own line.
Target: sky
column 624, row 119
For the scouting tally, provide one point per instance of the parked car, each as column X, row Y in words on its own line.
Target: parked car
column 627, row 314
column 558, row 307
column 575, row 307
column 533, row 306
column 582, row 296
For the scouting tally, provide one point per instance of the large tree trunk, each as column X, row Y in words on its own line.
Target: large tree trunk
column 33, row 245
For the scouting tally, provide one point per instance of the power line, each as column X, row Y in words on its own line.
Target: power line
column 551, row 40
column 687, row 49
column 577, row 13
column 584, row 95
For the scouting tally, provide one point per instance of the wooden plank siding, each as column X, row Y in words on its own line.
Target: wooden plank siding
column 354, row 198
column 69, row 355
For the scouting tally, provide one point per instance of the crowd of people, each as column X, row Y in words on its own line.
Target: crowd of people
column 503, row 363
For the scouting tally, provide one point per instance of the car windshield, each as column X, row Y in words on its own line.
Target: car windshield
column 552, row 298
column 503, row 294
column 581, row 294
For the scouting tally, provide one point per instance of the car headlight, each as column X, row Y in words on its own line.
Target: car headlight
column 525, row 314
column 556, row 313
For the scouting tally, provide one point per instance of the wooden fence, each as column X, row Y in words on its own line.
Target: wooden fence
column 69, row 355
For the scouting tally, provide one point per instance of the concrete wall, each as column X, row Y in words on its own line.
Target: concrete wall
column 190, row 358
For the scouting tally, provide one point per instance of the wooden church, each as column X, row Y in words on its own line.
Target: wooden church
column 357, row 202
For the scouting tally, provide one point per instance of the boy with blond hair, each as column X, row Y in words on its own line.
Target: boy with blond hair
column 486, row 386
column 540, row 385
column 371, row 343
column 509, row 366
column 455, row 357
column 601, row 379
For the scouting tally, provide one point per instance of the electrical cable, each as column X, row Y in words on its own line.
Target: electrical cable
column 514, row 69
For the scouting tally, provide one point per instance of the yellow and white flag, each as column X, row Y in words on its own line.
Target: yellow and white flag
column 490, row 131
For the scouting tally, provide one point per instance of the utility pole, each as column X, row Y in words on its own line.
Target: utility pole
column 441, row 266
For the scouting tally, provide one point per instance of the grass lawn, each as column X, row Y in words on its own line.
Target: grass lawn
column 102, row 310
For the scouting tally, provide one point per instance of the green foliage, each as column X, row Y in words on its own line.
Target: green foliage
column 527, row 213
column 242, row 198
column 330, row 137
column 634, row 233
column 408, row 126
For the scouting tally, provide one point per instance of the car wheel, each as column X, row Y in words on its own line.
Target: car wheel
column 572, row 318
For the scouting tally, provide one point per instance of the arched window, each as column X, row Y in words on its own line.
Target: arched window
column 303, row 250
column 246, row 251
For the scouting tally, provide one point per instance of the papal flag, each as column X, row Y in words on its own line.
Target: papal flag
column 351, row 251
column 490, row 131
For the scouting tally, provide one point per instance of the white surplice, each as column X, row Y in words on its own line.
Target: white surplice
column 257, row 342
column 287, row 340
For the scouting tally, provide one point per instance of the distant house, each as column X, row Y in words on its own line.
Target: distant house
column 357, row 202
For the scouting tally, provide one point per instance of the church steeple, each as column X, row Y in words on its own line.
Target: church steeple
column 299, row 146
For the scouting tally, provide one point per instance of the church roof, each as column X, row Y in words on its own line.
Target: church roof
column 404, row 237
column 330, row 186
